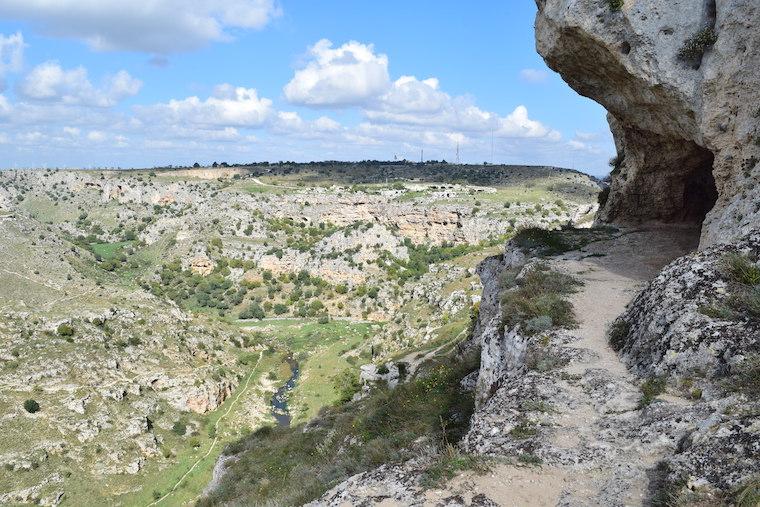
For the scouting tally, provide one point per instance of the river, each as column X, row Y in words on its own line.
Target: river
column 280, row 409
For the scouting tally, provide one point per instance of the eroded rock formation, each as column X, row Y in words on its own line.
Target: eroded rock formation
column 681, row 83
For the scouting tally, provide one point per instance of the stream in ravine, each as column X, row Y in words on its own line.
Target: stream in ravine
column 280, row 409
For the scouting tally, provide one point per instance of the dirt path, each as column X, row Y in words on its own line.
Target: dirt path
column 612, row 273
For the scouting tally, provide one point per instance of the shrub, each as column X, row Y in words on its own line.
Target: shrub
column 696, row 45
column 65, row 329
column 650, row 389
column 538, row 324
column 253, row 311
column 346, row 384
column 615, row 5
column 539, row 295
column 31, row 406
column 179, row 428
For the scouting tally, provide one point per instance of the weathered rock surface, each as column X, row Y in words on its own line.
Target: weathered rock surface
column 671, row 329
column 687, row 129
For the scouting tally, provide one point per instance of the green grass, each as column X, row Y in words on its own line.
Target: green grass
column 301, row 335
column 748, row 494
column 109, row 250
column 320, row 350
column 290, row 466
column 447, row 464
column 541, row 293
column 744, row 272
column 741, row 269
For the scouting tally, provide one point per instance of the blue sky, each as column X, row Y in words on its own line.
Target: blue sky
column 88, row 83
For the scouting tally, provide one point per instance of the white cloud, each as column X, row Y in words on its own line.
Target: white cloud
column 155, row 26
column 518, row 124
column 11, row 53
column 351, row 74
column 291, row 123
column 96, row 136
column 586, row 136
column 50, row 82
column 228, row 106
column 122, row 85
column 411, row 102
column 533, row 75
column 408, row 95
column 5, row 107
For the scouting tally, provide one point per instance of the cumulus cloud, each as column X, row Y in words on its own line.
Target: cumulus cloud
column 156, row 26
column 533, row 75
column 50, row 82
column 228, row 107
column 11, row 53
column 351, row 74
column 413, row 102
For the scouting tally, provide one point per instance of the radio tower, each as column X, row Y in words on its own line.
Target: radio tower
column 457, row 152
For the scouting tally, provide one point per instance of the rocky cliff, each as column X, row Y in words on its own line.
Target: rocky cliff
column 680, row 82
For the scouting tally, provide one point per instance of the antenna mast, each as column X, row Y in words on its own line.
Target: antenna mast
column 457, row 152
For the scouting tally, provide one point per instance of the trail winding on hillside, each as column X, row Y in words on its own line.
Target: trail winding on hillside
column 590, row 455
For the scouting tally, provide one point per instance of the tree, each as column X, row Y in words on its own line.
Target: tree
column 179, row 428
column 196, row 165
column 31, row 406
column 254, row 311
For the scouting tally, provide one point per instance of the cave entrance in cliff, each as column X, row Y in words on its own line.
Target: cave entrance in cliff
column 699, row 191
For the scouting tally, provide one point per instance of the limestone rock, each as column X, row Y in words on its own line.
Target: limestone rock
column 687, row 129
column 667, row 329
column 202, row 265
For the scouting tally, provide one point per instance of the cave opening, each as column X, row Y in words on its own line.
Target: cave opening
column 699, row 193
column 663, row 179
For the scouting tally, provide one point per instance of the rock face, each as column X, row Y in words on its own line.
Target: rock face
column 671, row 328
column 686, row 123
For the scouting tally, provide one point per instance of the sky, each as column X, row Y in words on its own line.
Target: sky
column 92, row 83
